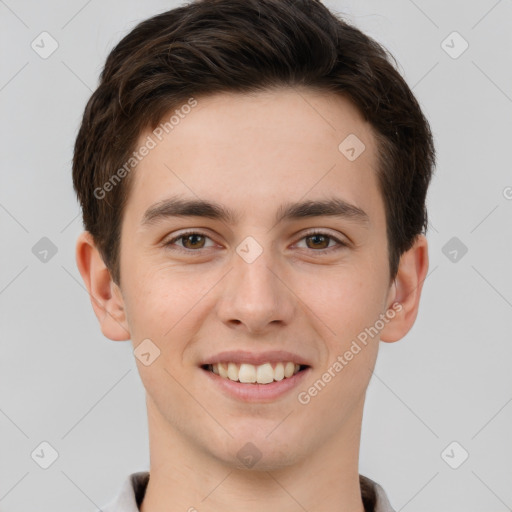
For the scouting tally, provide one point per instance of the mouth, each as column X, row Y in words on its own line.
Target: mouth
column 247, row 373
column 256, row 377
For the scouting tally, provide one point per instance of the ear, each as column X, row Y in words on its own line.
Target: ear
column 106, row 298
column 404, row 294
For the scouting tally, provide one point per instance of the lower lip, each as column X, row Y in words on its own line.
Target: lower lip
column 257, row 392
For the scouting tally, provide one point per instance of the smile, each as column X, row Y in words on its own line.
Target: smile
column 255, row 374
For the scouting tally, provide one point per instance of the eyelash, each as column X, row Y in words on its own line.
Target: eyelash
column 170, row 243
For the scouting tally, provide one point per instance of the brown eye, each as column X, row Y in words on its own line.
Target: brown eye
column 319, row 241
column 190, row 242
column 193, row 241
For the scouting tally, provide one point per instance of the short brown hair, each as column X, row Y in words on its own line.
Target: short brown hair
column 214, row 46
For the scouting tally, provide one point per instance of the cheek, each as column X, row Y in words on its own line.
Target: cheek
column 346, row 300
column 164, row 303
column 352, row 350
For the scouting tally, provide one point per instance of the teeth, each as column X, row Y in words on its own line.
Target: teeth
column 222, row 370
column 248, row 373
column 279, row 371
column 289, row 369
column 232, row 371
column 264, row 373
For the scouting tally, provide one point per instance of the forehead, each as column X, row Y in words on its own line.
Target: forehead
column 252, row 151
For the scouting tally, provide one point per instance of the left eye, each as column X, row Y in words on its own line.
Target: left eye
column 196, row 240
column 319, row 239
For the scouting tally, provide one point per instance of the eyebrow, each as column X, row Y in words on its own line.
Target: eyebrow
column 179, row 207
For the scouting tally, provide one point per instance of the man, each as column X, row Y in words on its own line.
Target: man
column 252, row 176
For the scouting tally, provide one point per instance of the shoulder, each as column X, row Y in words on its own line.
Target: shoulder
column 130, row 495
column 374, row 497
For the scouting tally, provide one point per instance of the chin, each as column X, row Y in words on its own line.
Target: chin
column 262, row 450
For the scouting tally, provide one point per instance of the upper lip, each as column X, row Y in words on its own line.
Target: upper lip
column 255, row 358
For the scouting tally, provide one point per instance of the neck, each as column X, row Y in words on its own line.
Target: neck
column 184, row 477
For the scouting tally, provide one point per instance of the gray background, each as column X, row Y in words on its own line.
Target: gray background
column 448, row 380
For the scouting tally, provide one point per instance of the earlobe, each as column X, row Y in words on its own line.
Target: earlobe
column 406, row 291
column 106, row 298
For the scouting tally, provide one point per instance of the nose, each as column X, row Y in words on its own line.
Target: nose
column 255, row 296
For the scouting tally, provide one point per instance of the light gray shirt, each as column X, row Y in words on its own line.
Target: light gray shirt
column 133, row 489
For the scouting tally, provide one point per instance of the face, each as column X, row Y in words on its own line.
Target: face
column 256, row 279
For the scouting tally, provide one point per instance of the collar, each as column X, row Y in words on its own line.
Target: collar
column 134, row 487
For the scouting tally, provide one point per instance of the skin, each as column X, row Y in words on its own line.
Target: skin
column 252, row 153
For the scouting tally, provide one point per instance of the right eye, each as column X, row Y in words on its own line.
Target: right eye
column 191, row 241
